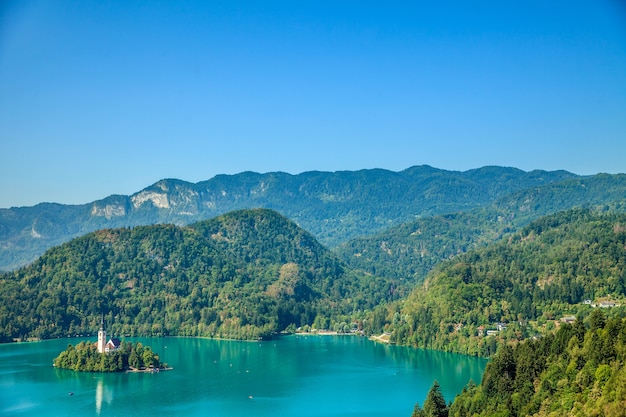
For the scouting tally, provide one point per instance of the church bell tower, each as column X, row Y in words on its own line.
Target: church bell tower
column 102, row 337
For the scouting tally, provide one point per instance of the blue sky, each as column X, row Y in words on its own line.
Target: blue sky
column 108, row 97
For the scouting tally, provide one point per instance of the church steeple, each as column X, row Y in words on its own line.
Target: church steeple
column 102, row 337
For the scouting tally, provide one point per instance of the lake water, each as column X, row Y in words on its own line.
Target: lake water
column 293, row 376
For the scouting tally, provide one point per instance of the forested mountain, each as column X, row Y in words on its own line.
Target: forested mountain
column 245, row 274
column 334, row 207
column 578, row 371
column 533, row 202
column 409, row 251
column 524, row 282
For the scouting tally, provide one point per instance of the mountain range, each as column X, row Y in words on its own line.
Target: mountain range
column 334, row 206
column 255, row 273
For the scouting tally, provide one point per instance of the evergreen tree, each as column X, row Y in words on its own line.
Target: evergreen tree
column 417, row 411
column 562, row 374
column 434, row 406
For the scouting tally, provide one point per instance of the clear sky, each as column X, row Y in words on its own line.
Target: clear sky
column 108, row 97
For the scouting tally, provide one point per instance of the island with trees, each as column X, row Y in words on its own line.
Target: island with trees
column 128, row 356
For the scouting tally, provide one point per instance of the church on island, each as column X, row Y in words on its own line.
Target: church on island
column 113, row 356
column 102, row 344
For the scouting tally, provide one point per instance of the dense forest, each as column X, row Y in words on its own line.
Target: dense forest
column 254, row 273
column 518, row 287
column 409, row 251
column 246, row 274
column 577, row 371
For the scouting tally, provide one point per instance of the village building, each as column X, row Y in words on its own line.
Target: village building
column 607, row 304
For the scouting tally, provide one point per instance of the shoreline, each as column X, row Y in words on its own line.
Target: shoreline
column 324, row 333
column 383, row 338
column 147, row 370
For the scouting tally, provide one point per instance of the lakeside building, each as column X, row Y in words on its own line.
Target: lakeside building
column 102, row 344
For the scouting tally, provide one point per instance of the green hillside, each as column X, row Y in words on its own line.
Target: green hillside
column 524, row 282
column 533, row 202
column 408, row 252
column 578, row 371
column 246, row 274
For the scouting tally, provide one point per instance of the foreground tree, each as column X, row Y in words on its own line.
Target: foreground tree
column 578, row 371
column 434, row 406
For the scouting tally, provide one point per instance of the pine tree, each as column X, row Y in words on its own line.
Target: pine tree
column 434, row 406
column 417, row 411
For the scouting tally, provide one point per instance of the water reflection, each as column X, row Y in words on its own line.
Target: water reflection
column 102, row 393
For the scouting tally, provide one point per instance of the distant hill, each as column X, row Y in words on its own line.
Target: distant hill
column 245, row 274
column 594, row 191
column 410, row 250
column 524, row 281
column 334, row 207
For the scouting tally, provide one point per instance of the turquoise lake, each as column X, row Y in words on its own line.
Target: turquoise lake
column 291, row 376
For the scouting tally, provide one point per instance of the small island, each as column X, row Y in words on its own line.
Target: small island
column 127, row 357
column 111, row 356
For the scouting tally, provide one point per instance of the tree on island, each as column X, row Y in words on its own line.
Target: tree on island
column 85, row 357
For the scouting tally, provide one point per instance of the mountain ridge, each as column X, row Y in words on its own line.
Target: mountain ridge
column 334, row 206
